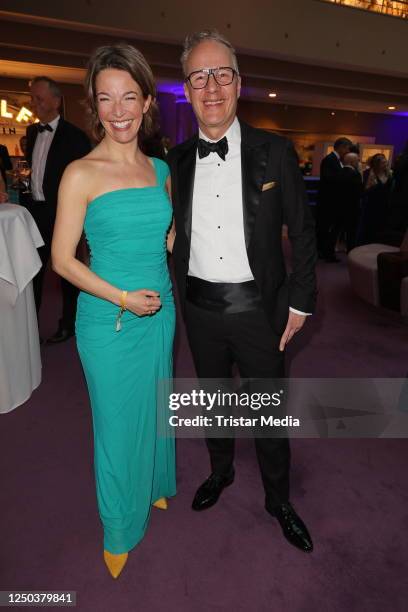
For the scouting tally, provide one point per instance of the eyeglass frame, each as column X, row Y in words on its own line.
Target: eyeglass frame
column 211, row 71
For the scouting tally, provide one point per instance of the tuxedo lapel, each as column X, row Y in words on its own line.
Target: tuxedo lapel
column 336, row 160
column 55, row 155
column 185, row 180
column 254, row 159
column 31, row 134
column 56, row 143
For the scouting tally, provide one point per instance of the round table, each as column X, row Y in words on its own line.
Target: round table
column 20, row 360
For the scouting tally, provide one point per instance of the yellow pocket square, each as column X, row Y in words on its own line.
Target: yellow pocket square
column 267, row 186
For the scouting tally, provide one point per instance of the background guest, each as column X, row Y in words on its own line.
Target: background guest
column 377, row 180
column 328, row 203
column 5, row 163
column 3, row 191
column 351, row 189
column 397, row 221
column 51, row 145
column 23, row 145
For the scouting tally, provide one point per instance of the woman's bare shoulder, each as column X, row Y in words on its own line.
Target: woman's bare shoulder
column 87, row 176
column 79, row 168
column 81, row 177
column 87, row 168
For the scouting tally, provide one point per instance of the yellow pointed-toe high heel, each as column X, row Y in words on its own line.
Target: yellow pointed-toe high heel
column 115, row 563
column 161, row 503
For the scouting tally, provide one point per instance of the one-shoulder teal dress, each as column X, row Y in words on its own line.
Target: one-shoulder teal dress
column 134, row 461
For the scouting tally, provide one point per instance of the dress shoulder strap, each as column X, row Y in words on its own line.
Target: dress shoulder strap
column 162, row 171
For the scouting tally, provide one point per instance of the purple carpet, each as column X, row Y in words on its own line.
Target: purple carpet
column 352, row 494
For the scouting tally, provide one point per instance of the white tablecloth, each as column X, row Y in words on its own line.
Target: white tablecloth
column 20, row 361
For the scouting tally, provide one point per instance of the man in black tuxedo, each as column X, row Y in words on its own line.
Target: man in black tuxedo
column 232, row 189
column 52, row 144
column 329, row 202
column 5, row 163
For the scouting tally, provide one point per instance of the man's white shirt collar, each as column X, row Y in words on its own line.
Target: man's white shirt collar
column 233, row 133
column 53, row 123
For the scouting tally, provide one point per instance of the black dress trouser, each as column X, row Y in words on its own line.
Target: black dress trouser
column 44, row 216
column 217, row 341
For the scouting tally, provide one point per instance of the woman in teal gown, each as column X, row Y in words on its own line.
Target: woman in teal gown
column 125, row 315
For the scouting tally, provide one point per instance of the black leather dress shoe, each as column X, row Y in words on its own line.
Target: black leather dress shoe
column 207, row 495
column 293, row 528
column 61, row 335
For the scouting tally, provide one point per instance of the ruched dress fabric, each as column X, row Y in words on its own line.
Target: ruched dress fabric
column 134, row 449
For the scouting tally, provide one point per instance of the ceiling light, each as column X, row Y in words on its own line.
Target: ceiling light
column 332, row 113
column 273, row 95
column 392, row 107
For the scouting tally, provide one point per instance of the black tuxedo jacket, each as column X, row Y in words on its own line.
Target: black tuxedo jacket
column 331, row 181
column 273, row 193
column 5, row 163
column 69, row 143
column 351, row 190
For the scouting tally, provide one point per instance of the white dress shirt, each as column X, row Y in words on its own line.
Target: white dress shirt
column 218, row 252
column 39, row 160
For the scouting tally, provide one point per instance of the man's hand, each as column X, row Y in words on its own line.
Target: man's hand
column 295, row 322
column 3, row 197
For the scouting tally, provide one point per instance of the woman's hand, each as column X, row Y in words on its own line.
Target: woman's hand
column 143, row 302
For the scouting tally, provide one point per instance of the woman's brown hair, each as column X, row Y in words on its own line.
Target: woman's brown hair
column 122, row 57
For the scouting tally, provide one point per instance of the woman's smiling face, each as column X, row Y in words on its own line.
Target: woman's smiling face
column 120, row 104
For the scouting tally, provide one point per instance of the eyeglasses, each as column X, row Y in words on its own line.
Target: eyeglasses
column 223, row 76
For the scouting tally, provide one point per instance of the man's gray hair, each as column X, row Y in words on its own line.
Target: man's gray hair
column 192, row 40
column 52, row 85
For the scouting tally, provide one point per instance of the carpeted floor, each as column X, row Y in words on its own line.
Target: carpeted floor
column 351, row 493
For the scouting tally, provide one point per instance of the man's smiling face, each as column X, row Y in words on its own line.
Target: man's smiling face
column 215, row 105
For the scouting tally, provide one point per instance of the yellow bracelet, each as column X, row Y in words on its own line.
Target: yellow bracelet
column 123, row 300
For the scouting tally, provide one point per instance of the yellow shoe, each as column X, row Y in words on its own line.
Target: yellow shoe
column 161, row 503
column 115, row 563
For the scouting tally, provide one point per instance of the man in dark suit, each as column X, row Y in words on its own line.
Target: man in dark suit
column 232, row 188
column 5, row 163
column 52, row 144
column 329, row 204
column 3, row 191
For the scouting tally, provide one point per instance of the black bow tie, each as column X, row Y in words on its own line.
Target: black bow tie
column 42, row 127
column 220, row 147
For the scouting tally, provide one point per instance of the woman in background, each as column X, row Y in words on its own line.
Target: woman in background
column 126, row 317
column 398, row 214
column 377, row 181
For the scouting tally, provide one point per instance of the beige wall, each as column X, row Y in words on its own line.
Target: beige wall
column 308, row 30
column 320, row 125
column 312, row 124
